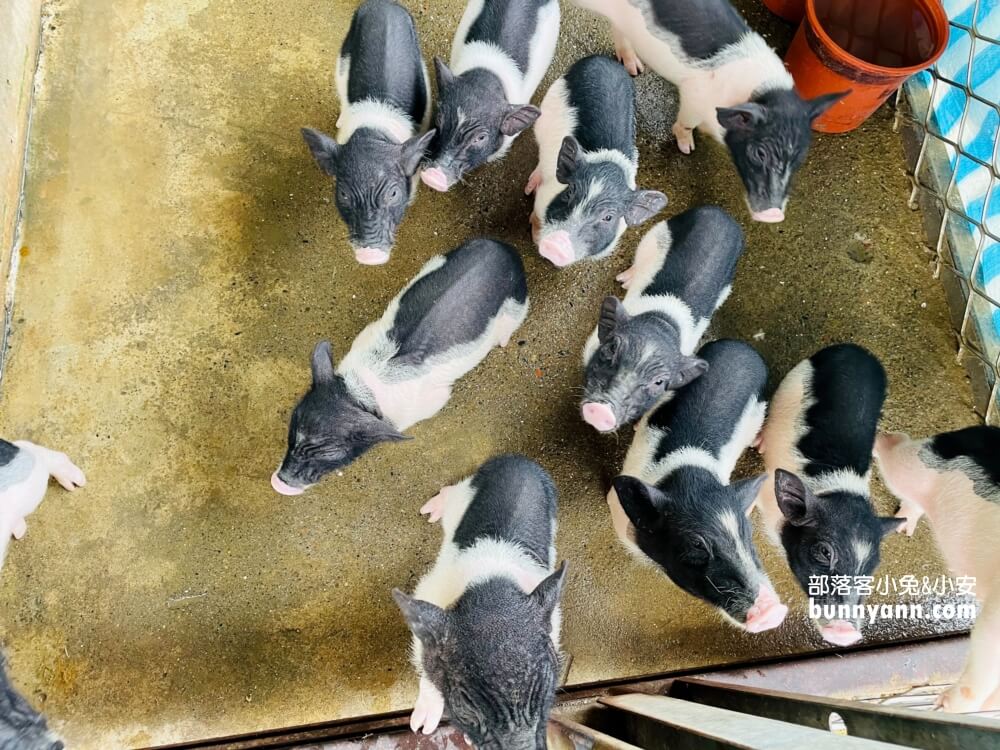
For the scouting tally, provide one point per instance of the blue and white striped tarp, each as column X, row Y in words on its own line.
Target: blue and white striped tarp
column 972, row 61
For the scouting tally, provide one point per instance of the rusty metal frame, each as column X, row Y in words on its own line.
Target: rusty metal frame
column 900, row 726
column 865, row 670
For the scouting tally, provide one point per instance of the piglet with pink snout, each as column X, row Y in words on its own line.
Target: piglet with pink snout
column 954, row 479
column 585, row 182
column 25, row 469
column 817, row 444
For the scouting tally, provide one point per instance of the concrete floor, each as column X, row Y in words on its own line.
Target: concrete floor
column 181, row 257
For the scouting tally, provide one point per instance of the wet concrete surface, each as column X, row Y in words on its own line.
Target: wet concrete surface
column 181, row 257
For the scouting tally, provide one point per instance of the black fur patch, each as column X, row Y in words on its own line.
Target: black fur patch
column 706, row 244
column 386, row 63
column 515, row 501
column 704, row 413
column 603, row 95
column 454, row 304
column 980, row 444
column 703, row 26
column 849, row 387
column 509, row 24
column 8, row 451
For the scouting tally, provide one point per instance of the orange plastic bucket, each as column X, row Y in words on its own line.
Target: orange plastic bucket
column 866, row 46
column 790, row 10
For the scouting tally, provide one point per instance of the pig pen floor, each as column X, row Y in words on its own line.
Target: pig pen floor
column 181, row 257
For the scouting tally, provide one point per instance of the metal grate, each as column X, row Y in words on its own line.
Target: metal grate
column 952, row 114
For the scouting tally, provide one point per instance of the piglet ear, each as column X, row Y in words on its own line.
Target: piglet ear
column 444, row 75
column 426, row 621
column 744, row 117
column 566, row 163
column 547, row 593
column 890, row 524
column 519, row 118
column 324, row 149
column 747, row 490
column 792, row 496
column 689, row 369
column 636, row 498
column 375, row 430
column 322, row 363
column 413, row 152
column 819, row 105
column 645, row 205
column 613, row 315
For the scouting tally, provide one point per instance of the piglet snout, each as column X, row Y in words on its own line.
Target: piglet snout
column 283, row 488
column 371, row 256
column 769, row 216
column 435, row 178
column 840, row 633
column 599, row 416
column 557, row 248
column 767, row 612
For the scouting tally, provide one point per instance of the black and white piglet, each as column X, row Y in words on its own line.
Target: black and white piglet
column 21, row 726
column 817, row 444
column 500, row 54
column 384, row 108
column 401, row 368
column 584, row 184
column 485, row 619
column 673, row 503
column 732, row 86
column 644, row 346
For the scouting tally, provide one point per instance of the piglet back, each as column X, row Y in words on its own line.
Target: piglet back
column 603, row 96
column 847, row 391
column 456, row 303
column 704, row 413
column 514, row 500
column 705, row 245
column 386, row 64
column 979, row 444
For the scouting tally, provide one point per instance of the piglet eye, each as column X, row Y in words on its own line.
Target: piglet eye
column 394, row 194
column 758, row 153
column 480, row 137
column 608, row 218
column 823, row 554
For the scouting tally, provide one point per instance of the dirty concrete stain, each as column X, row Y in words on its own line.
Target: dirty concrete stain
column 185, row 257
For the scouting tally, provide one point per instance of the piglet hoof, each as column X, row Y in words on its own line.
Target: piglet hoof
column 20, row 529
column 758, row 443
column 434, row 508
column 630, row 60
column 685, row 138
column 67, row 473
column 428, row 710
column 536, row 227
column 625, row 277
column 958, row 699
column 906, row 528
column 534, row 181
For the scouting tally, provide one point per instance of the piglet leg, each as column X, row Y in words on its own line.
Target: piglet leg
column 534, row 181
column 429, row 708
column 63, row 470
column 625, row 52
column 19, row 529
column 626, row 276
column 911, row 512
column 981, row 679
column 434, row 508
column 536, row 227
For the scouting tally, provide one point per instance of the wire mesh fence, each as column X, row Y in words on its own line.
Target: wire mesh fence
column 951, row 119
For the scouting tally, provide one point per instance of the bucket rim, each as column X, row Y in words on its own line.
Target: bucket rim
column 933, row 9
